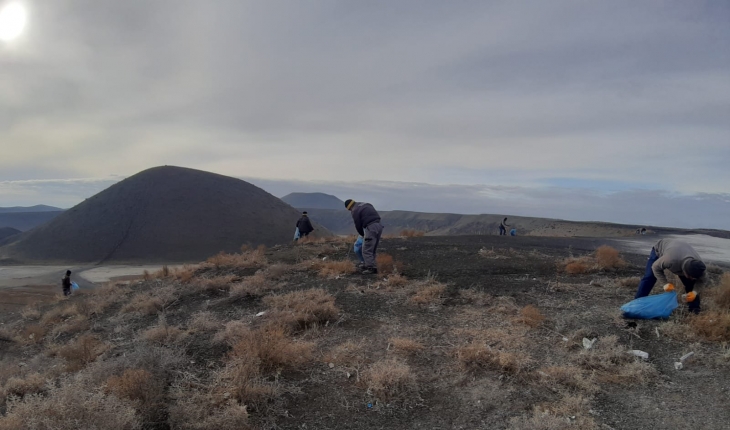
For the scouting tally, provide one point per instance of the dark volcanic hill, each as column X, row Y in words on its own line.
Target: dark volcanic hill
column 164, row 214
column 7, row 232
column 313, row 201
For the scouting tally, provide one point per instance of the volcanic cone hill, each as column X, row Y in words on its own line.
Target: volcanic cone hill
column 164, row 214
column 314, row 201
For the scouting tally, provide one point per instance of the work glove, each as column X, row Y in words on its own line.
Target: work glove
column 689, row 297
column 669, row 287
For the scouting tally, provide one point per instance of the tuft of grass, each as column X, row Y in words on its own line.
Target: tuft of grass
column 531, row 316
column 222, row 283
column 143, row 388
column 33, row 383
column 204, row 321
column 405, row 346
column 271, row 348
column 577, row 267
column 412, row 233
column 611, row 362
column 332, row 269
column 33, row 333
column 246, row 259
column 200, row 410
column 476, row 356
column 389, row 379
column 608, row 258
column 348, row 354
column 605, row 258
column 431, row 293
column 302, row 309
column 721, row 293
column 387, row 264
column 151, row 302
column 74, row 325
column 164, row 334
column 569, row 412
column 396, row 280
column 632, row 282
column 570, row 377
column 712, row 324
column 81, row 352
column 31, row 312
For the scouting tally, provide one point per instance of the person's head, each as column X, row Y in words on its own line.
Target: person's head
column 68, row 273
column 693, row 269
column 349, row 204
column 505, row 219
column 304, row 213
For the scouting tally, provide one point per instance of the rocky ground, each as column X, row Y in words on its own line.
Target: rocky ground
column 455, row 333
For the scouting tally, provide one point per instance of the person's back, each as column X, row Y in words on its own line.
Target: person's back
column 304, row 225
column 66, row 283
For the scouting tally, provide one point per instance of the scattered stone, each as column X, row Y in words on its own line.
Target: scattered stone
column 332, row 365
column 588, row 343
column 260, row 313
column 641, row 354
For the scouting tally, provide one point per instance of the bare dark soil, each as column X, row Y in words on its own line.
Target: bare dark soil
column 488, row 280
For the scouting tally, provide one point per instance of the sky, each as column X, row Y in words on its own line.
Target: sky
column 615, row 111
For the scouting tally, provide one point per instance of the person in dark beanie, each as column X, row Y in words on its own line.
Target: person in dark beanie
column 503, row 227
column 304, row 225
column 367, row 224
column 66, row 283
column 679, row 258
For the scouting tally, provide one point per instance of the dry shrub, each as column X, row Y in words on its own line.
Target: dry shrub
column 476, row 356
column 33, row 333
column 164, row 334
column 222, row 283
column 608, row 258
column 6, row 335
column 570, row 412
column 387, row 264
column 204, row 321
column 198, row 410
column 569, row 377
column 611, row 362
column 412, row 233
column 70, row 407
column 721, row 293
column 81, row 352
column 142, row 387
column 431, row 293
column 301, row 309
column 531, row 316
column 231, row 333
column 632, row 282
column 254, row 285
column 22, row 386
column 151, row 302
column 246, row 259
column 404, row 346
column 712, row 324
column 52, row 317
column 241, row 380
column 332, row 269
column 32, row 312
column 271, row 348
column 577, row 267
column 389, row 379
column 278, row 271
column 715, row 269
column 348, row 354
column 396, row 280
column 73, row 325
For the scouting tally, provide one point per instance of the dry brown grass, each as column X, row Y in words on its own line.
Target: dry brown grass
column 531, row 316
column 32, row 312
column 199, row 410
column 429, row 294
column 33, row 333
column 477, row 355
column 404, row 346
column 412, row 233
column 246, row 259
column 302, row 309
column 332, row 269
column 387, row 264
column 81, row 352
column 143, row 388
column 164, row 334
column 52, row 317
column 220, row 283
column 242, row 381
column 390, row 379
column 33, row 383
column 74, row 325
column 272, row 348
column 712, row 324
column 348, row 354
column 396, row 280
column 720, row 294
column 605, row 258
column 570, row 412
column 570, row 377
column 71, row 406
column 255, row 285
column 204, row 321
column 632, row 282
column 608, row 258
column 611, row 362
column 151, row 302
column 577, row 267
column 6, row 335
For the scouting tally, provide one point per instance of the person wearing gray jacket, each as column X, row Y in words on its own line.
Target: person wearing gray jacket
column 679, row 258
column 367, row 224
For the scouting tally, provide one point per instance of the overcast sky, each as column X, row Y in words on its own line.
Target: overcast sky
column 506, row 101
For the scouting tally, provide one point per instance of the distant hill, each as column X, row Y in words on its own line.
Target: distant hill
column 164, row 214
column 313, row 201
column 37, row 208
column 444, row 224
column 7, row 232
column 25, row 221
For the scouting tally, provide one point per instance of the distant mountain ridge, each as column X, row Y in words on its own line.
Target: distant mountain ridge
column 36, row 208
column 6, row 232
column 163, row 214
column 25, row 221
column 313, row 201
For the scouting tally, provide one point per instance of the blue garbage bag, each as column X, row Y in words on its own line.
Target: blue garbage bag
column 74, row 286
column 513, row 232
column 297, row 235
column 651, row 307
column 358, row 248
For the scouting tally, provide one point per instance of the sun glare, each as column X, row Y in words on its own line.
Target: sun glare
column 12, row 21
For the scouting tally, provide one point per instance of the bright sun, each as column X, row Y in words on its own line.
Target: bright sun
column 12, row 21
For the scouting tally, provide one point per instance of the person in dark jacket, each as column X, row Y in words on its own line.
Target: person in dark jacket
column 367, row 224
column 66, row 283
column 304, row 225
column 503, row 227
column 679, row 258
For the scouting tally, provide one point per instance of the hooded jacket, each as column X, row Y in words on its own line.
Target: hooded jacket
column 364, row 214
column 305, row 225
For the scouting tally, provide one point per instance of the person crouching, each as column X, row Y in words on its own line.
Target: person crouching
column 367, row 224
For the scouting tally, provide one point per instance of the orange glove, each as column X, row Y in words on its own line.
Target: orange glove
column 689, row 297
column 668, row 287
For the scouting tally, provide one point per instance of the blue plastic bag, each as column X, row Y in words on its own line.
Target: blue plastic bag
column 297, row 235
column 358, row 248
column 651, row 307
column 74, row 286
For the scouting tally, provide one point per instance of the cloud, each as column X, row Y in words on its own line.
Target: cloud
column 501, row 93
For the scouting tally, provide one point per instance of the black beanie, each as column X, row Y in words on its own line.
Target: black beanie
column 348, row 202
column 68, row 272
column 694, row 268
column 304, row 213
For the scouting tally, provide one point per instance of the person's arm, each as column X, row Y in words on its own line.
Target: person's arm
column 358, row 222
column 658, row 269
